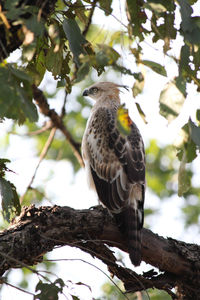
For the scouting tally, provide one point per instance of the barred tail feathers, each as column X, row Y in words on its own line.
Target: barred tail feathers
column 134, row 236
column 130, row 225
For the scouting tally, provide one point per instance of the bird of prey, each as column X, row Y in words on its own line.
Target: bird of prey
column 115, row 164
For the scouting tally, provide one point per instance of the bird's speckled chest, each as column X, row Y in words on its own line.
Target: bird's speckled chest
column 98, row 134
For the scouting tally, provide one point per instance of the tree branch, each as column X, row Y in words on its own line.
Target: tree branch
column 57, row 121
column 38, row 230
column 85, row 31
column 42, row 156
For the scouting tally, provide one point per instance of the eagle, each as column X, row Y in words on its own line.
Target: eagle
column 115, row 164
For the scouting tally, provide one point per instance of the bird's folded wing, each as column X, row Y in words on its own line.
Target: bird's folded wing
column 116, row 161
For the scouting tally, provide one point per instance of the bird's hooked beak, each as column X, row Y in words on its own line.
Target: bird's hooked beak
column 86, row 92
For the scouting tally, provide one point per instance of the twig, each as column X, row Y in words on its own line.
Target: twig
column 41, row 10
column 48, row 125
column 90, row 264
column 42, row 156
column 118, row 20
column 4, row 19
column 4, row 49
column 21, row 264
column 101, row 8
column 41, row 101
column 63, row 112
column 16, row 287
column 89, row 18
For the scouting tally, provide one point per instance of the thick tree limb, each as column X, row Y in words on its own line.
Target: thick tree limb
column 38, row 230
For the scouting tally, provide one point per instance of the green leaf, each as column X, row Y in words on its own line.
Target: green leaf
column 184, row 181
column 61, row 83
column 21, row 74
column 82, row 72
column 3, row 167
column 195, row 133
column 186, row 11
column 6, row 196
column 190, row 149
column 10, row 200
column 16, row 96
column 49, row 290
column 142, row 114
column 126, row 71
column 36, row 66
column 193, row 1
column 75, row 38
column 101, row 58
column 138, row 86
column 54, row 60
column 106, row 6
column 184, row 68
column 111, row 55
column 181, row 85
column 9, row 98
column 137, row 18
column 189, row 25
column 198, row 114
column 171, row 101
column 29, row 109
column 65, row 66
column 39, row 67
column 155, row 67
column 37, row 27
column 167, row 112
column 13, row 10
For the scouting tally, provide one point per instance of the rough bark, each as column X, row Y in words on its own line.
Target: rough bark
column 38, row 230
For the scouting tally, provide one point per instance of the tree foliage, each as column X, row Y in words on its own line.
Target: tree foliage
column 61, row 37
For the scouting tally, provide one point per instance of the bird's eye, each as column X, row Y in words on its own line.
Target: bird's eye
column 93, row 90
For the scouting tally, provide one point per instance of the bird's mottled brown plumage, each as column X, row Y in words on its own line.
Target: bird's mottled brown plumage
column 116, row 164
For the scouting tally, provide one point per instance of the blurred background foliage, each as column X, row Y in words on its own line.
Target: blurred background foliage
column 62, row 39
column 112, row 293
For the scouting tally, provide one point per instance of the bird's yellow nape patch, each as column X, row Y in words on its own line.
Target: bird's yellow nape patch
column 123, row 120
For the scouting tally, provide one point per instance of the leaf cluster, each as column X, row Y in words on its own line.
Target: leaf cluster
column 9, row 198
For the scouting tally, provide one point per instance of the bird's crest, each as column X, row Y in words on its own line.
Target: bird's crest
column 126, row 87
